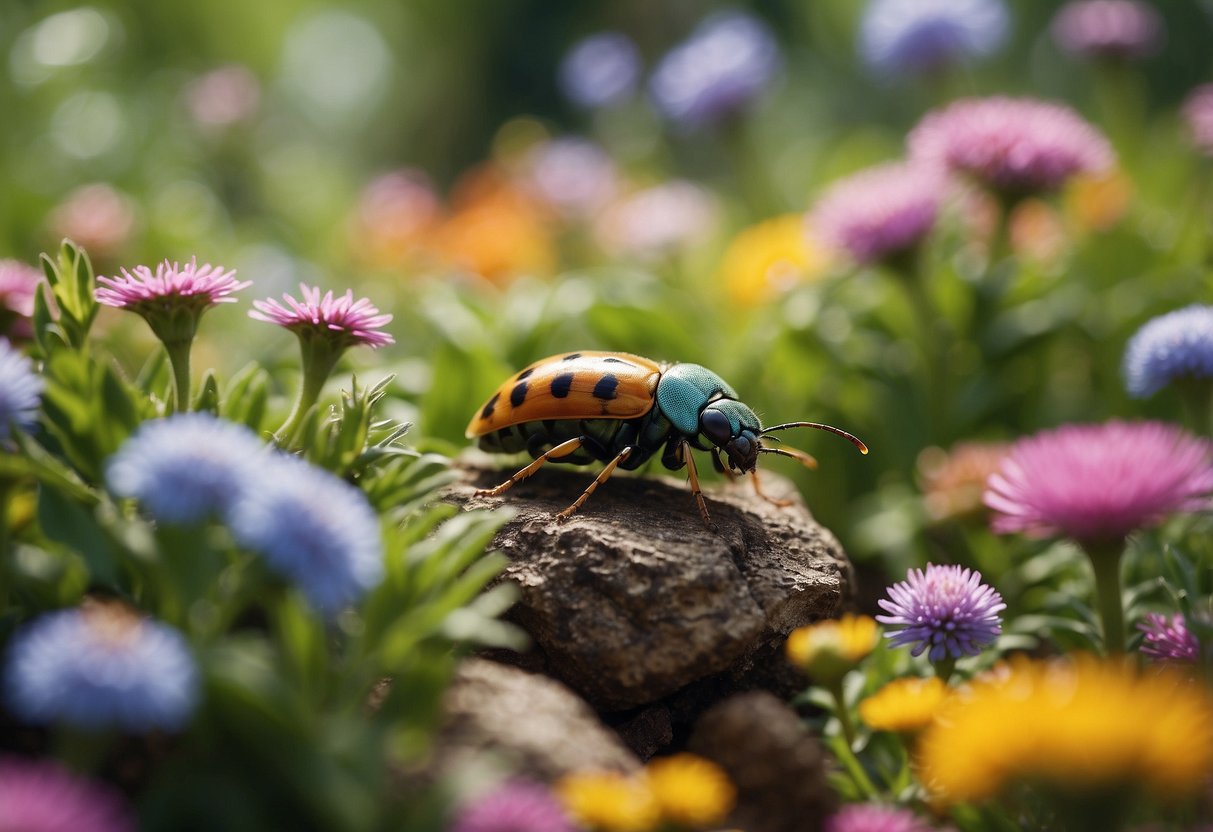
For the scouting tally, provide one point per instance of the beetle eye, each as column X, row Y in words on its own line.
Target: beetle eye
column 715, row 426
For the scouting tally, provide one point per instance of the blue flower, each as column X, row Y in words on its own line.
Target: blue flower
column 1172, row 346
column 101, row 666
column 725, row 63
column 315, row 529
column 20, row 390
column 186, row 468
column 917, row 35
column 600, row 70
column 945, row 609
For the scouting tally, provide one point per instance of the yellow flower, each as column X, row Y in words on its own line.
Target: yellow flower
column 1078, row 727
column 828, row 649
column 690, row 790
column 904, row 705
column 765, row 260
column 607, row 801
column 1097, row 202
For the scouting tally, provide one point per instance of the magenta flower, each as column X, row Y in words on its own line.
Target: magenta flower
column 1198, row 115
column 338, row 319
column 1168, row 639
column 18, row 285
column 172, row 301
column 1124, row 29
column 170, row 289
column 945, row 610
column 326, row 327
column 513, row 807
column 1017, row 146
column 872, row 817
column 38, row 796
column 881, row 211
column 1098, row 483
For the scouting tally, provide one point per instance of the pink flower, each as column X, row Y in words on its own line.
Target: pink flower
column 1198, row 114
column 1108, row 28
column 1099, row 482
column 1168, row 639
column 513, row 807
column 1014, row 145
column 223, row 96
column 172, row 286
column 880, row 211
column 18, row 285
column 872, row 817
column 38, row 796
column 96, row 217
column 341, row 318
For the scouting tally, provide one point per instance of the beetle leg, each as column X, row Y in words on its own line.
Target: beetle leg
column 563, row 449
column 775, row 501
column 599, row 480
column 693, row 476
column 720, row 467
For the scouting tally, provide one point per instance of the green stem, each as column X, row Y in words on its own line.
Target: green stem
column 914, row 272
column 1196, row 395
column 1105, row 561
column 6, row 553
column 179, row 359
column 847, row 756
column 319, row 358
column 945, row 667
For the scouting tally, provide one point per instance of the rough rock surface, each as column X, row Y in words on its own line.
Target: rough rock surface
column 633, row 599
column 779, row 769
column 537, row 727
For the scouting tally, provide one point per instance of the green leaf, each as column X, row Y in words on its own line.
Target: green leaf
column 67, row 522
column 207, row 398
column 247, row 397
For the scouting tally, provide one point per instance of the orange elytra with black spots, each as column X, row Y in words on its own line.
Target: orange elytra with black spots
column 618, row 408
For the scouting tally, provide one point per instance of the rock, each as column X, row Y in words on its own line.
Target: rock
column 633, row 598
column 778, row 767
column 537, row 727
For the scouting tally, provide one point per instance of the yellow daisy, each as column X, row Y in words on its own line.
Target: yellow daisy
column 765, row 260
column 904, row 705
column 607, row 801
column 828, row 649
column 691, row 791
column 1081, row 726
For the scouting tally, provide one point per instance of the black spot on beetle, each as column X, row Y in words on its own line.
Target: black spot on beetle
column 605, row 388
column 526, row 373
column 488, row 407
column 561, row 385
column 571, row 356
column 518, row 394
column 617, row 361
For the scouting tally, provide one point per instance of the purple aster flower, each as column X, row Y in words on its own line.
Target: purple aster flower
column 513, row 807
column 1168, row 639
column 574, row 176
column 1174, row 346
column 20, row 390
column 1096, row 483
column 1017, row 146
column 101, row 666
column 1198, row 114
column 1125, row 29
column 880, row 211
column 338, row 319
column 872, row 817
column 314, row 528
column 945, row 610
column 187, row 468
column 171, row 290
column 897, row 36
column 40, row 796
column 600, row 70
column 725, row 64
column 18, row 285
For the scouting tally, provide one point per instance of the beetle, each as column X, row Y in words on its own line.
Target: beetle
column 620, row 409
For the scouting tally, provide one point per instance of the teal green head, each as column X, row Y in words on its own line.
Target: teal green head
column 705, row 409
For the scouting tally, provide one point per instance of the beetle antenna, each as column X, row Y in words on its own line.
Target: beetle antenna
column 854, row 440
column 800, row 456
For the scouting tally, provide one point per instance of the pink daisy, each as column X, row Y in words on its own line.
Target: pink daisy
column 1015, row 145
column 345, row 320
column 880, row 211
column 170, row 288
column 1168, row 639
column 38, row 796
column 1108, row 28
column 18, row 285
column 1198, row 114
column 872, row 817
column 1097, row 483
column 513, row 807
